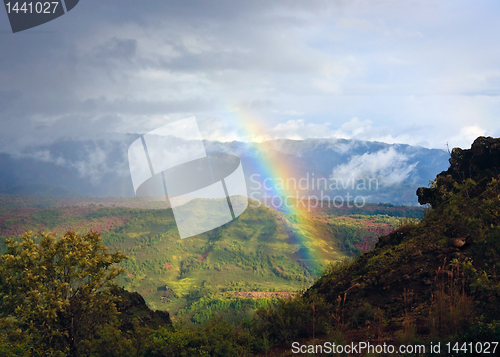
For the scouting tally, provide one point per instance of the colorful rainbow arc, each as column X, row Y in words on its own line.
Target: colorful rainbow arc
column 253, row 128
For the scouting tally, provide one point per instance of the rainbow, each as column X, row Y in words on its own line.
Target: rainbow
column 253, row 129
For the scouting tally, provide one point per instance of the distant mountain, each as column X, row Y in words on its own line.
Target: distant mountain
column 328, row 168
column 334, row 168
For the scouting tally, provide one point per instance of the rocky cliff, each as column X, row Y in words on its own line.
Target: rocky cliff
column 480, row 163
column 438, row 276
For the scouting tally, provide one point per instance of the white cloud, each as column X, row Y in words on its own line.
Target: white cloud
column 466, row 136
column 420, row 73
column 299, row 129
column 353, row 129
column 46, row 156
column 388, row 166
column 95, row 165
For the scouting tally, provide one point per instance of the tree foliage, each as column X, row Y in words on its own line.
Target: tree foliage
column 54, row 292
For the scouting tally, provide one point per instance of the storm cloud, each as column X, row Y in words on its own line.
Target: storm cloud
column 422, row 73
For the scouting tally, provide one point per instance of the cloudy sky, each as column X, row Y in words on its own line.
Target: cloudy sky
column 417, row 72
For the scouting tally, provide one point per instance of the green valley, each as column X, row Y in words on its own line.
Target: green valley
column 264, row 250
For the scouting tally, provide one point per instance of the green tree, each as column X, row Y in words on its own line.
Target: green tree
column 54, row 293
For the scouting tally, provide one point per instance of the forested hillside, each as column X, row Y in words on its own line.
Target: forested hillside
column 263, row 250
column 432, row 281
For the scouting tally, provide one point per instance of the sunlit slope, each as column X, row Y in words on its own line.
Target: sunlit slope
column 258, row 251
column 262, row 250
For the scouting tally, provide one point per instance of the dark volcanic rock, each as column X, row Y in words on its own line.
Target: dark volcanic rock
column 403, row 275
column 481, row 161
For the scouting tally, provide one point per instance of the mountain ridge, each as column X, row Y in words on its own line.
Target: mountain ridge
column 100, row 168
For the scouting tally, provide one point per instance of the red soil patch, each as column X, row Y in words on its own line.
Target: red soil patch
column 203, row 257
column 380, row 230
column 19, row 228
column 168, row 266
column 366, row 246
